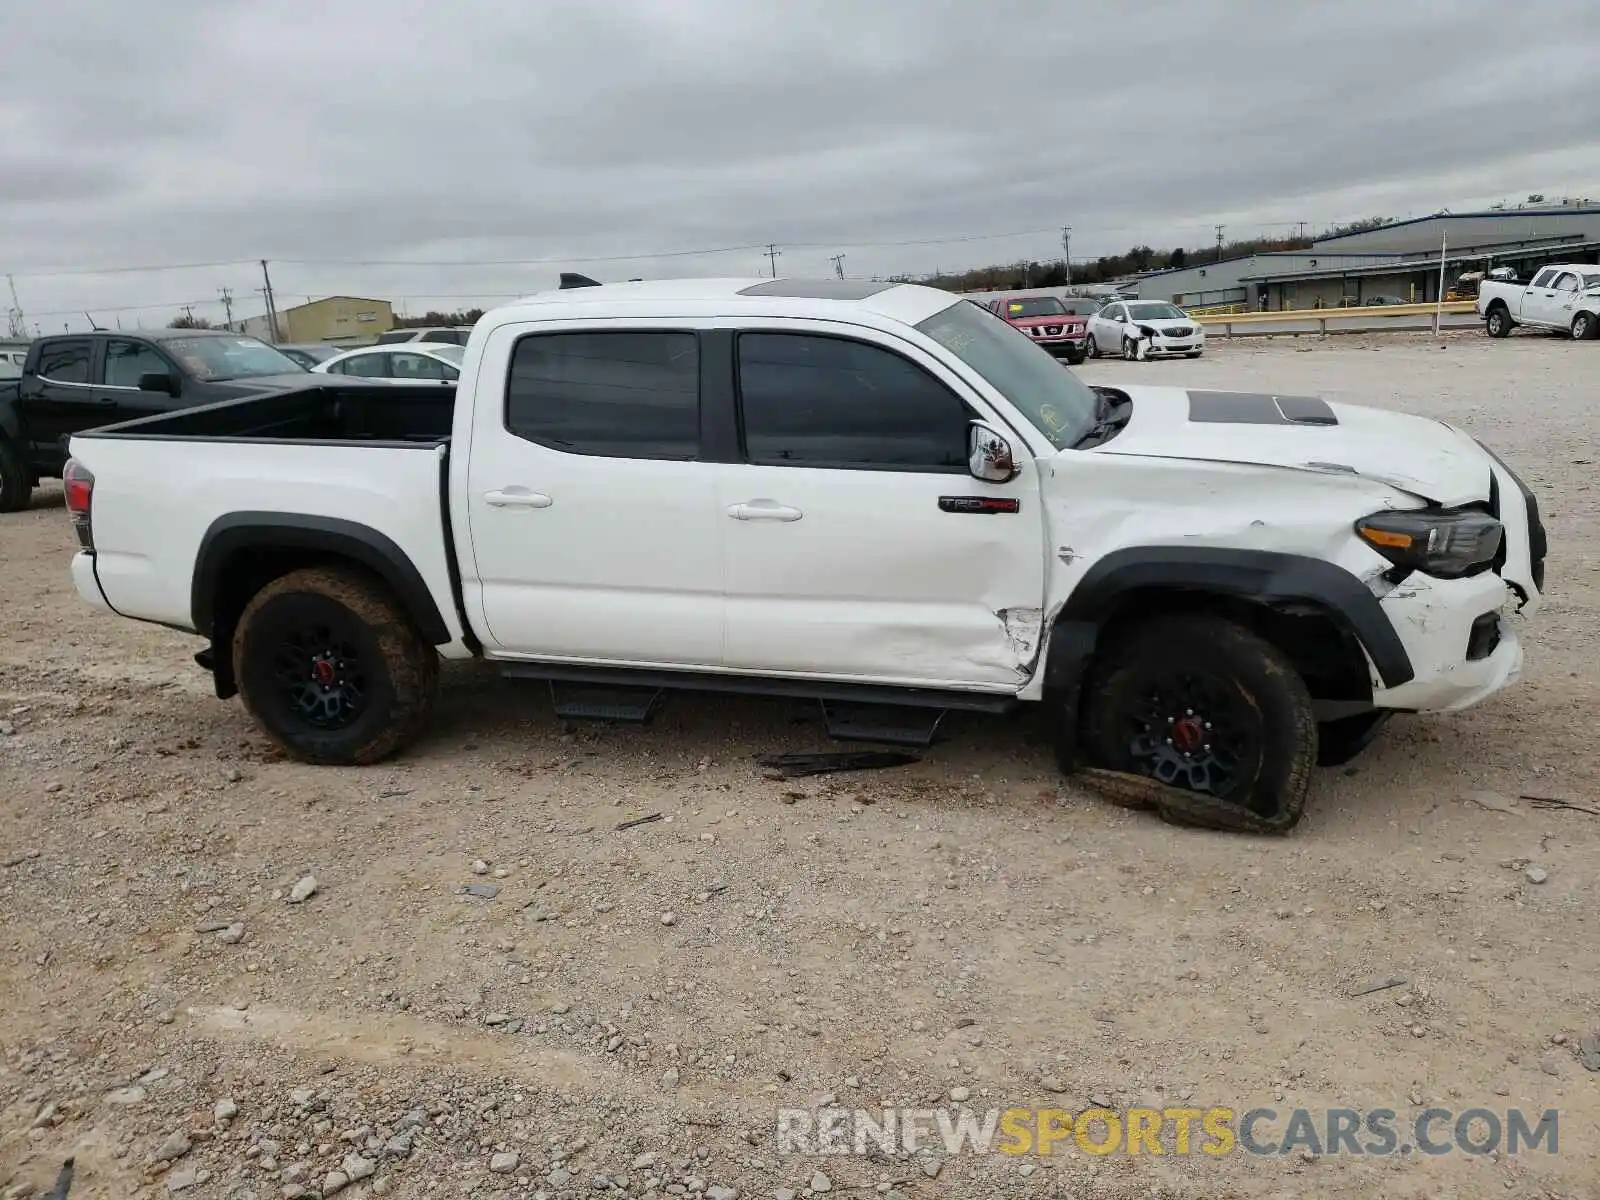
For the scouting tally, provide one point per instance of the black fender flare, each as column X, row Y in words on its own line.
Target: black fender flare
column 1264, row 577
column 239, row 532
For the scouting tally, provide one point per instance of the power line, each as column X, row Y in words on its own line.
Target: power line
column 772, row 257
column 57, row 272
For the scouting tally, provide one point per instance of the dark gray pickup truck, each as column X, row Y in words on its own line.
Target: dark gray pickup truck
column 75, row 382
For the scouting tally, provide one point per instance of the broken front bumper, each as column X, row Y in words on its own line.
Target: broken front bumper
column 1459, row 636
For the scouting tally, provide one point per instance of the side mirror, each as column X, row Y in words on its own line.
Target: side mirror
column 989, row 455
column 158, row 381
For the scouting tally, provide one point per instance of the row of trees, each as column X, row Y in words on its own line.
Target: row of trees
column 1134, row 261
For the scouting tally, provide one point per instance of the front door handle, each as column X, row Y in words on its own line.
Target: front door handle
column 763, row 510
column 516, row 498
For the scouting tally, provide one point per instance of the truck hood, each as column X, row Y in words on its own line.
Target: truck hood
column 1424, row 457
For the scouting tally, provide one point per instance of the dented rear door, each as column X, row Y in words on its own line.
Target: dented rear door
column 857, row 544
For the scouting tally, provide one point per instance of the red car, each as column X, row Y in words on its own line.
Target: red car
column 1061, row 327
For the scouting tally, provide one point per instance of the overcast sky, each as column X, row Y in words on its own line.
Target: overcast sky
column 200, row 131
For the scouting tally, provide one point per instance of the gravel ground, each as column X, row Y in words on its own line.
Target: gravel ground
column 629, row 1009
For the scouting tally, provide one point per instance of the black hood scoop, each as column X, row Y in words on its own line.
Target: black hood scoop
column 1258, row 408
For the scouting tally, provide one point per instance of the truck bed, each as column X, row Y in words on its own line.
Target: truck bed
column 343, row 412
column 322, row 460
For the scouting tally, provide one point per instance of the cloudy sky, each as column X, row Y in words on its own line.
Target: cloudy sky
column 488, row 145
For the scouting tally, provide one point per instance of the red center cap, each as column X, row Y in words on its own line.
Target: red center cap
column 322, row 672
column 1187, row 734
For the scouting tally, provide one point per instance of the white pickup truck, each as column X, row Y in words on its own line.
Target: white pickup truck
column 878, row 495
column 1565, row 296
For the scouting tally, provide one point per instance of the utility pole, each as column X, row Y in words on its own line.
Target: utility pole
column 188, row 311
column 272, row 311
column 15, row 320
column 772, row 257
column 227, row 306
column 838, row 265
column 1066, row 249
column 1220, row 228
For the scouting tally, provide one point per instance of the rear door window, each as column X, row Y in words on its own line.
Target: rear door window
column 614, row 393
column 66, row 361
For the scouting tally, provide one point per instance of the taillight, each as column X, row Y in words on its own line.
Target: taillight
column 79, row 483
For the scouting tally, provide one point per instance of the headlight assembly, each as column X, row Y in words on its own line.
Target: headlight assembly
column 1446, row 545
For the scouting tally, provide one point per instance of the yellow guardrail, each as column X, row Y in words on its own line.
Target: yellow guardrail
column 1323, row 315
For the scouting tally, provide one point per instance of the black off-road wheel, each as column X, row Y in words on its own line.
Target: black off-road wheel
column 1498, row 322
column 330, row 666
column 16, row 485
column 1212, row 720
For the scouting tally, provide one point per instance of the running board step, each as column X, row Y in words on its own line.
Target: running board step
column 603, row 702
column 896, row 724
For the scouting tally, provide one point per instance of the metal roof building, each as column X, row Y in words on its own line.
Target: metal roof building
column 1398, row 261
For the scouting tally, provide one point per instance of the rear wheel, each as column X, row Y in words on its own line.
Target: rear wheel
column 16, row 484
column 1584, row 327
column 330, row 666
column 1498, row 322
column 1213, row 714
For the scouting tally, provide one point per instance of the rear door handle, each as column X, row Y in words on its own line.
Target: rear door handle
column 516, row 498
column 763, row 510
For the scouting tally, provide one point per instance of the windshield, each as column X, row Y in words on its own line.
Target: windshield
column 1052, row 398
column 1035, row 306
column 450, row 353
column 1155, row 312
column 216, row 359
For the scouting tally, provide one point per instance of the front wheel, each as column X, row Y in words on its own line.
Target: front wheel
column 1215, row 715
column 1074, row 359
column 1498, row 323
column 1194, row 354
column 1129, row 350
column 16, row 486
column 1585, row 327
column 1092, row 347
column 330, row 666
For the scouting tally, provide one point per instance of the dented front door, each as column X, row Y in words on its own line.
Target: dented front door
column 857, row 545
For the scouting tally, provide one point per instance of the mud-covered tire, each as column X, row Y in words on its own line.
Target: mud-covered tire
column 1585, row 328
column 1497, row 323
column 1252, row 764
column 16, row 484
column 369, row 677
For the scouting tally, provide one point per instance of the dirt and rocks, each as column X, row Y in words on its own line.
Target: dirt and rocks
column 223, row 974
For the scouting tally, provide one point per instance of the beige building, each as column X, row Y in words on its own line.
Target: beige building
column 337, row 319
